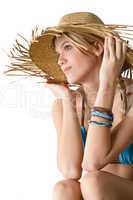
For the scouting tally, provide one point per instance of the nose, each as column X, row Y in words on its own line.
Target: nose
column 61, row 60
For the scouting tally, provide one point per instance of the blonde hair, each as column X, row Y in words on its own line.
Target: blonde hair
column 85, row 42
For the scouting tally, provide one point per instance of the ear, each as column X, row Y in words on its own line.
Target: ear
column 99, row 48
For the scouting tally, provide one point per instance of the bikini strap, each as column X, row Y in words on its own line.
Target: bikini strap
column 83, row 110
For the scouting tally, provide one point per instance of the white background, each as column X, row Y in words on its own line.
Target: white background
column 27, row 136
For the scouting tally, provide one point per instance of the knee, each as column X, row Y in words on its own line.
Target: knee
column 91, row 178
column 93, row 183
column 67, row 187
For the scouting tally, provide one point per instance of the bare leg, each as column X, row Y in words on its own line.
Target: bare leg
column 68, row 189
column 101, row 185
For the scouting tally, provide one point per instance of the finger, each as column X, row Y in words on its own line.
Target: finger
column 124, row 47
column 50, row 85
column 111, row 46
column 124, row 50
column 119, row 48
column 106, row 50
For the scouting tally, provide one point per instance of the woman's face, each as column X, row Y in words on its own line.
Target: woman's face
column 76, row 65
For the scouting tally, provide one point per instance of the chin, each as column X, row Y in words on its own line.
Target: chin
column 76, row 78
column 72, row 81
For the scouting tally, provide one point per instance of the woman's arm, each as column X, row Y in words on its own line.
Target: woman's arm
column 70, row 147
column 99, row 143
column 109, row 142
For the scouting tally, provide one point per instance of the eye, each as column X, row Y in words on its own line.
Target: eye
column 67, row 47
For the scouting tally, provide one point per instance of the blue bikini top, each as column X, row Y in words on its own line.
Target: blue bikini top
column 125, row 157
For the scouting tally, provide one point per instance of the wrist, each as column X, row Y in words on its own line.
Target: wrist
column 68, row 99
column 105, row 96
column 69, row 102
column 108, row 86
column 65, row 96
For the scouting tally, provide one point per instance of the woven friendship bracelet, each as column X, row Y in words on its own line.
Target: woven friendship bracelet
column 101, row 114
column 107, row 124
column 101, row 109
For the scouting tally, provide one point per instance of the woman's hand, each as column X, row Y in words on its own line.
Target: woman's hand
column 62, row 91
column 113, row 59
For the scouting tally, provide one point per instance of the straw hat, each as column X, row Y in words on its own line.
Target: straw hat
column 38, row 57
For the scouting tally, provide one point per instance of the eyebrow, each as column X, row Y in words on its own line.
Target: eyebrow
column 61, row 45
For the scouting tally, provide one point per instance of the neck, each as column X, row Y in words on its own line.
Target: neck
column 90, row 87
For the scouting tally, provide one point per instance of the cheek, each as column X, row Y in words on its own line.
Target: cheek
column 86, row 64
column 82, row 65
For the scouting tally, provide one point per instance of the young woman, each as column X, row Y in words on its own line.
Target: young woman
column 97, row 72
column 94, row 124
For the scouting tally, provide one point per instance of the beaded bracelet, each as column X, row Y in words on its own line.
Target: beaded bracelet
column 101, row 114
column 107, row 124
column 101, row 109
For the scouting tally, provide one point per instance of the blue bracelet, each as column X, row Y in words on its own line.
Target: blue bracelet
column 101, row 114
column 107, row 124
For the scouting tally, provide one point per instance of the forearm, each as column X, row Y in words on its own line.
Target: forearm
column 105, row 95
column 71, row 147
column 98, row 142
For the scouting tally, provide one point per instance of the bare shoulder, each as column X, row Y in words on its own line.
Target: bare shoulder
column 129, row 95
